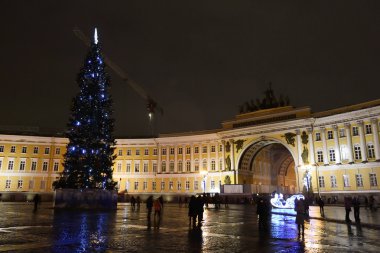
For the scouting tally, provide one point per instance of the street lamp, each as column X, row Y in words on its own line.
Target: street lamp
column 204, row 174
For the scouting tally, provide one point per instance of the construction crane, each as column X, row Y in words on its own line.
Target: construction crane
column 151, row 104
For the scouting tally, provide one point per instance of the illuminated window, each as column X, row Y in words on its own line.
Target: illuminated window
column 137, row 151
column 163, row 151
column 188, row 166
column 220, row 148
column 154, row 186
column 330, row 135
column 359, row 180
column 23, row 150
column 19, row 184
column 56, row 166
column 154, row 167
column 163, row 166
column 355, row 131
column 196, row 150
column 317, row 136
column 204, row 149
column 2, row 148
column 213, row 149
column 162, row 186
column 333, row 182
column 204, row 164
column 35, row 150
column 171, row 166
column 172, row 151
column 45, row 166
column 346, row 181
column 368, row 129
column 58, row 151
column 358, row 153
column 321, row 180
column 212, row 185
column 187, row 185
column 188, row 150
column 372, row 179
column 320, row 156
column 137, row 167
column 7, row 184
column 145, row 167
column 171, row 185
column 120, row 153
column 13, row 149
column 371, row 150
column 196, row 185
column 213, row 165
column 129, row 152
column 128, row 167
column 196, row 165
column 342, row 133
column 180, row 151
column 344, row 152
column 47, row 151
column 145, row 185
column 22, row 165
column 146, row 151
column 136, row 186
column 332, row 155
column 179, row 186
column 10, row 165
column 33, row 166
column 155, row 152
column 180, row 166
column 119, row 167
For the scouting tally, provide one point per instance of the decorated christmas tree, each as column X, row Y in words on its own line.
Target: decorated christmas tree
column 90, row 151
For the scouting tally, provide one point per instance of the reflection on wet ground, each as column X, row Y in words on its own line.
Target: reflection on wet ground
column 236, row 229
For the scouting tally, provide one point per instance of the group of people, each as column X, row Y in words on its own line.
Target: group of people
column 157, row 205
column 348, row 204
column 134, row 202
column 196, row 211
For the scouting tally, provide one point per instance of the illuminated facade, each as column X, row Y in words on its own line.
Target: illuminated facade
column 283, row 149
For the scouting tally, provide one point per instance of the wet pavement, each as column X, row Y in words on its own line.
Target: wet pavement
column 235, row 229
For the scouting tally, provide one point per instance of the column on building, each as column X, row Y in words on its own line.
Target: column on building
column 192, row 162
column 217, row 157
column 363, row 145
column 183, row 158
column 375, row 133
column 159, row 169
column 299, row 147
column 324, row 146
column 208, row 157
column 167, row 159
column 223, row 155
column 311, row 145
column 347, row 126
column 338, row 157
column 200, row 161
column 176, row 158
column 232, row 142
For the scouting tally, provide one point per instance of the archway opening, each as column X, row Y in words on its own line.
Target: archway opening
column 268, row 166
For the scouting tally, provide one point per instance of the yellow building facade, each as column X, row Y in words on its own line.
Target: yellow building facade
column 284, row 149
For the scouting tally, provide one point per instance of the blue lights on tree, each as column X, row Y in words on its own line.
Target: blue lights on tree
column 90, row 151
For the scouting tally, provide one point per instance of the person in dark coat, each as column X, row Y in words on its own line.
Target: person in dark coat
column 347, row 206
column 200, row 209
column 356, row 205
column 321, row 204
column 149, row 206
column 36, row 201
column 192, row 211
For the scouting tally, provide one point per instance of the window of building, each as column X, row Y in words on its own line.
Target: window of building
column 180, row 151
column 13, row 149
column 22, row 165
column 56, row 166
column 128, row 167
column 344, row 152
column 1, row 163
column 163, row 166
column 47, row 151
column 187, row 185
column 213, row 149
column 145, row 167
column 163, row 151
column 196, row 185
column 23, row 150
column 358, row 153
column 7, row 184
column 333, row 182
column 179, row 186
column 171, row 185
column 212, row 185
column 204, row 149
column 204, row 164
column 119, row 167
column 31, row 184
column 145, row 185
column 58, row 151
column 220, row 148
column 137, row 151
column 368, row 129
column 146, row 151
column 188, row 150
column 346, row 181
column 45, row 166
column 332, row 155
column 196, row 150
column 129, row 152
column 213, row 165
column 196, row 165
column 1, row 148
column 19, row 184
column 371, row 150
column 137, row 167
column 330, row 135
column 155, row 152
column 120, row 153
column 10, row 165
column 171, row 166
column 372, row 180
column 188, row 166
column 33, row 166
column 162, row 186
column 43, row 185
column 172, row 151
column 355, row 131
column 317, row 136
column 155, row 167
column 320, row 156
column 321, row 181
column 136, row 186
column 342, row 132
column 221, row 164
column 180, row 166
column 154, row 186
column 35, row 150
column 359, row 180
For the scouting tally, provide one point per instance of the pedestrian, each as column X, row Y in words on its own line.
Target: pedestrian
column 192, row 211
column 161, row 199
column 179, row 201
column 200, row 209
column 133, row 202
column 157, row 213
column 138, row 202
column 356, row 205
column 366, row 202
column 300, row 217
column 36, row 200
column 149, row 206
column 371, row 203
column 321, row 204
column 225, row 201
column 347, row 206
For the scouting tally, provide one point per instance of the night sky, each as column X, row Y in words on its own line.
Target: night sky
column 199, row 59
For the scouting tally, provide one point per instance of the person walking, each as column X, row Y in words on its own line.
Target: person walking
column 133, row 203
column 200, row 209
column 356, row 205
column 157, row 213
column 300, row 217
column 149, row 206
column 138, row 202
column 192, row 211
column 347, row 206
column 321, row 204
column 36, row 200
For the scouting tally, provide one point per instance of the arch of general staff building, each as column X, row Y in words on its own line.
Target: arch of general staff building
column 284, row 149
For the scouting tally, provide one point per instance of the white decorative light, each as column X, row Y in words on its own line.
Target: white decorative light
column 96, row 36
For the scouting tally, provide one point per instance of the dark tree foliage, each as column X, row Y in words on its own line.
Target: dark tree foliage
column 90, row 151
column 269, row 101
